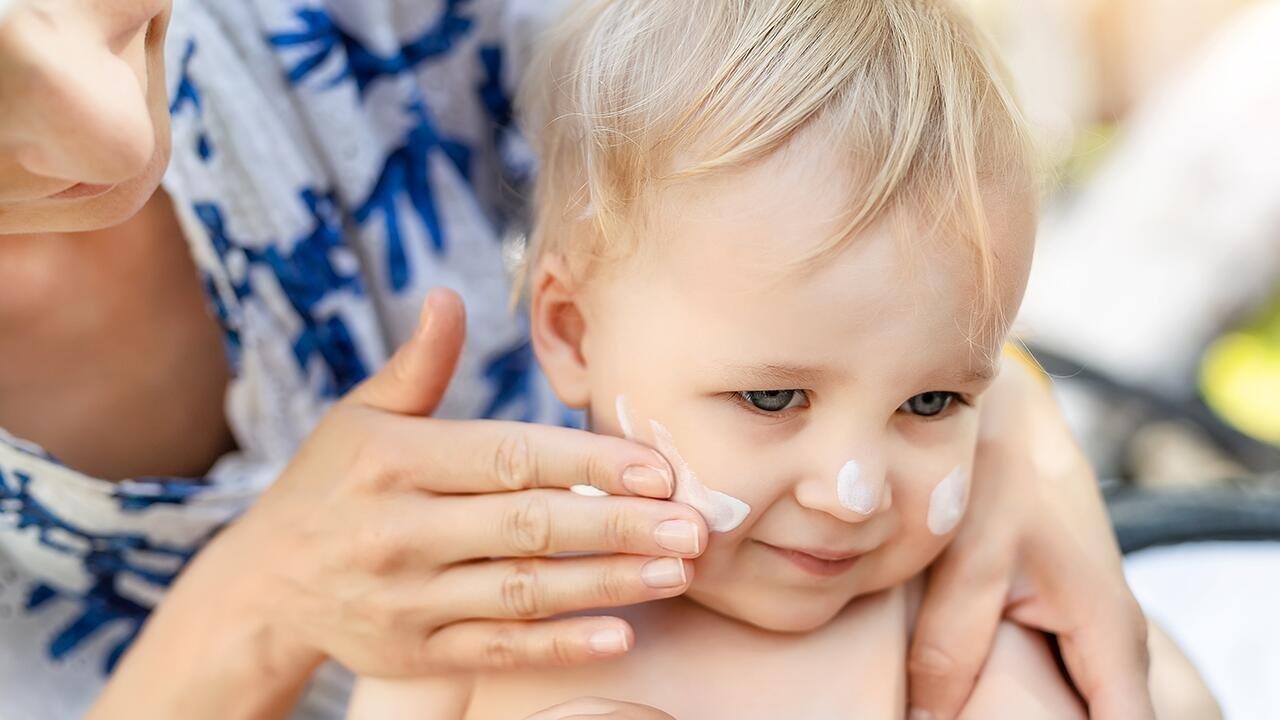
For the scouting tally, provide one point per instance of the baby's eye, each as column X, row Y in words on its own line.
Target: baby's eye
column 773, row 401
column 928, row 404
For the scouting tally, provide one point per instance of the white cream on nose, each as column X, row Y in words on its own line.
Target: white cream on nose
column 856, row 491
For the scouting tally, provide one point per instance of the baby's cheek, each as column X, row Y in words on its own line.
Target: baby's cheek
column 907, row 554
column 733, row 465
column 928, row 506
column 931, row 487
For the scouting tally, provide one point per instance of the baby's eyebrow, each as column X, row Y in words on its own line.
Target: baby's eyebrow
column 776, row 374
column 970, row 374
column 783, row 376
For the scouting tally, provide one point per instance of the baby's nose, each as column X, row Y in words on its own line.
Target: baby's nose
column 859, row 491
column 856, row 492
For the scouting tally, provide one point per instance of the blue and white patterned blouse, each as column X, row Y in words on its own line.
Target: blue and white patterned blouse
column 333, row 160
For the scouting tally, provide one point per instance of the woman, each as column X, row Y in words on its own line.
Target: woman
column 330, row 165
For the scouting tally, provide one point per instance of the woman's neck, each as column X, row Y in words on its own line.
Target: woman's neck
column 110, row 360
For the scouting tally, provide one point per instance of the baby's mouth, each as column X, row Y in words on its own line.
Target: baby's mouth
column 822, row 562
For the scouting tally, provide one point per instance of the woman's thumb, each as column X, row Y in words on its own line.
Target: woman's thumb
column 415, row 378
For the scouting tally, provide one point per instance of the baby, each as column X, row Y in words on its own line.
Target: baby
column 781, row 242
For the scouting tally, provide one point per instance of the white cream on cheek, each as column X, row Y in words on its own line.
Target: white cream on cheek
column 722, row 512
column 623, row 408
column 948, row 502
column 856, row 492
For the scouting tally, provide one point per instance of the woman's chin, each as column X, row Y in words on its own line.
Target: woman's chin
column 84, row 211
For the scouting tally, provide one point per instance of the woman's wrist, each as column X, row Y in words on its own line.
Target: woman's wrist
column 217, row 644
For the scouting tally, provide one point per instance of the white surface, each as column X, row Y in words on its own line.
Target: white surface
column 1221, row 603
column 1178, row 231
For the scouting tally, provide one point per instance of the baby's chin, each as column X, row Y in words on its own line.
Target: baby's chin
column 774, row 610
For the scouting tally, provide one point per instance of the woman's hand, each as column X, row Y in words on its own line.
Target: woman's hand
column 1036, row 547
column 401, row 545
column 590, row 707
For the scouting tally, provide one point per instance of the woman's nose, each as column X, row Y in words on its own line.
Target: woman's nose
column 852, row 490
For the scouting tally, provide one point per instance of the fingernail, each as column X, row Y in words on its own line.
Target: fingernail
column 918, row 714
column 663, row 573
column 424, row 317
column 678, row 536
column 608, row 642
column 647, row 481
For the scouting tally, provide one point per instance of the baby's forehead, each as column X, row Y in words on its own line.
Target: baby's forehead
column 792, row 214
column 727, row 285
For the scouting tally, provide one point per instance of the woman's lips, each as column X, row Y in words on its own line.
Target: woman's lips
column 822, row 563
column 81, row 190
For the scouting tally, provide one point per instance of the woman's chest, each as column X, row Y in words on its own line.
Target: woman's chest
column 110, row 359
column 704, row 667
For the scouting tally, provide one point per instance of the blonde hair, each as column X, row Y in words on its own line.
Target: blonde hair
column 627, row 97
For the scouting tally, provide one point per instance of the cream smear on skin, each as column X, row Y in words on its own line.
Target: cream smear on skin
column 722, row 512
column 948, row 502
column 857, row 493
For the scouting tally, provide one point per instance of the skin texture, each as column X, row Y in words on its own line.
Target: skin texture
column 143, row 352
column 81, row 84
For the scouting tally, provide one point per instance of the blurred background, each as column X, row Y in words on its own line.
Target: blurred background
column 1155, row 298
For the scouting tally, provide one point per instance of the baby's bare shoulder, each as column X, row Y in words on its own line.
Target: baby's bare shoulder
column 444, row 697
column 1021, row 680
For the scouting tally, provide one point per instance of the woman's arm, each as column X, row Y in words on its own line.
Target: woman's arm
column 1036, row 546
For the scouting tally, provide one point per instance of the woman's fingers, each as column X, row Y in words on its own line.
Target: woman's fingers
column 1103, row 637
column 389, row 520
column 534, row 588
column 1107, row 657
column 415, row 378
column 491, row 456
column 506, row 645
column 962, row 607
column 451, row 457
column 547, row 522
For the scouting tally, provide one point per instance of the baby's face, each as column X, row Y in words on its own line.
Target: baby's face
column 772, row 380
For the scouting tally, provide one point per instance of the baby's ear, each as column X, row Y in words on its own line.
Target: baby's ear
column 559, row 329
